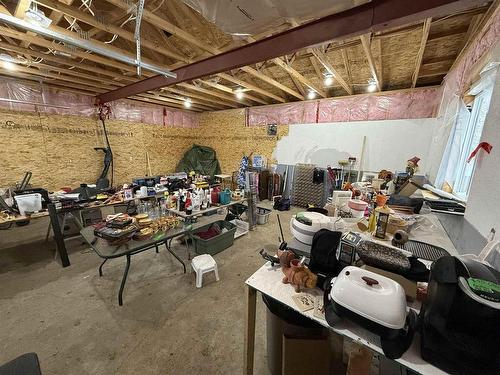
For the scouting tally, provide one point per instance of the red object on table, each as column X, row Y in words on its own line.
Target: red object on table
column 483, row 145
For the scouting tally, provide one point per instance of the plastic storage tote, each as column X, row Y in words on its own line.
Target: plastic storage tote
column 263, row 215
column 215, row 244
column 29, row 203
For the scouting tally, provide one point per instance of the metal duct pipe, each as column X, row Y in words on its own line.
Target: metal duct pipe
column 84, row 44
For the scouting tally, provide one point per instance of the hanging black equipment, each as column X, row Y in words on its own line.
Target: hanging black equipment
column 103, row 182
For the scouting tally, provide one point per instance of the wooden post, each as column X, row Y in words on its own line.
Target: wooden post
column 250, row 331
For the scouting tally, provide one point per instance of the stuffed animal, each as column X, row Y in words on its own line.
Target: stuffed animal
column 296, row 274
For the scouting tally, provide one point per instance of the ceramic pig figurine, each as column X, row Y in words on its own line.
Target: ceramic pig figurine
column 298, row 275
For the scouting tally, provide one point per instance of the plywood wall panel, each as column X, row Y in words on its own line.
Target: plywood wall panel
column 59, row 150
column 225, row 131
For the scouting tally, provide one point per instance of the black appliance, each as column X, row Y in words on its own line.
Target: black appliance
column 460, row 318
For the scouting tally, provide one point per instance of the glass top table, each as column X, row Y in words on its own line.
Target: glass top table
column 109, row 251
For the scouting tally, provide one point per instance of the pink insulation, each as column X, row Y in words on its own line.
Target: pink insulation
column 18, row 96
column 291, row 113
column 459, row 79
column 421, row 103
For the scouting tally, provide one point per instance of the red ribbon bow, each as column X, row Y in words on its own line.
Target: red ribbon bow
column 483, row 145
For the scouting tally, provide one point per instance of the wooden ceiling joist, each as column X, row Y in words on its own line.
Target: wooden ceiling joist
column 66, row 61
column 282, row 64
column 323, row 59
column 271, row 81
column 42, row 42
column 167, row 26
column 176, row 102
column 366, row 43
column 231, row 91
column 227, row 98
column 203, row 98
column 109, row 28
column 252, row 87
column 423, row 42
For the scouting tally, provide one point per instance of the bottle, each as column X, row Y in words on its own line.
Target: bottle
column 188, row 205
column 382, row 220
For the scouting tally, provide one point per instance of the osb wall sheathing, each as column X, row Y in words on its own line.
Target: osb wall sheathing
column 59, row 150
column 226, row 133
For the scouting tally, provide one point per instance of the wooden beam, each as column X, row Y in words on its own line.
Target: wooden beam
column 438, row 59
column 21, row 7
column 68, row 81
column 252, row 87
column 423, row 42
column 448, row 32
column 217, row 94
column 178, row 103
column 209, row 107
column 366, row 43
column 198, row 96
column 58, row 47
column 272, row 82
column 430, row 73
column 217, row 86
column 299, row 77
column 77, row 74
column 109, row 28
column 323, row 59
column 39, row 71
column 67, row 61
column 167, row 26
column 473, row 25
column 163, row 103
column 112, row 20
column 368, row 17
column 209, row 92
column 298, row 85
column 36, row 81
column 347, row 67
column 57, row 16
column 231, row 91
column 16, row 76
column 314, row 62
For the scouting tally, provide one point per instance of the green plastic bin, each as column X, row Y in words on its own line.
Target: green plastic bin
column 215, row 244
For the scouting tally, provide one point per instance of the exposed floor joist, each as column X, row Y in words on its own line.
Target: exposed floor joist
column 425, row 34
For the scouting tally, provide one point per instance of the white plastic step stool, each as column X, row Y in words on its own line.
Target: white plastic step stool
column 202, row 264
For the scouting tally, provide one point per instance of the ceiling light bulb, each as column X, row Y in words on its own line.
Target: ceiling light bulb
column 372, row 85
column 328, row 80
column 311, row 94
column 187, row 103
column 9, row 65
column 239, row 94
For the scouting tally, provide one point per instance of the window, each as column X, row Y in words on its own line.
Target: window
column 472, row 137
column 464, row 138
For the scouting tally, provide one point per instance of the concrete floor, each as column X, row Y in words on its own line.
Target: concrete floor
column 70, row 316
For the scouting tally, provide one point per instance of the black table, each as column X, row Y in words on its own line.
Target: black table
column 132, row 247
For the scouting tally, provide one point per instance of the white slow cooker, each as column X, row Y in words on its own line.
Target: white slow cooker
column 304, row 232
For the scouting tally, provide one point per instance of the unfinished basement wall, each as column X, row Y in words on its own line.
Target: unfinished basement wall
column 226, row 132
column 59, row 150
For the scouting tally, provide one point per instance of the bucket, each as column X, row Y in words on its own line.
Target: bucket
column 29, row 203
column 263, row 215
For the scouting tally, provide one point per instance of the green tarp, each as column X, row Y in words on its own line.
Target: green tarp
column 200, row 159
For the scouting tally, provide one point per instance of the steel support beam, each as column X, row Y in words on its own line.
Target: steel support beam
column 374, row 16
